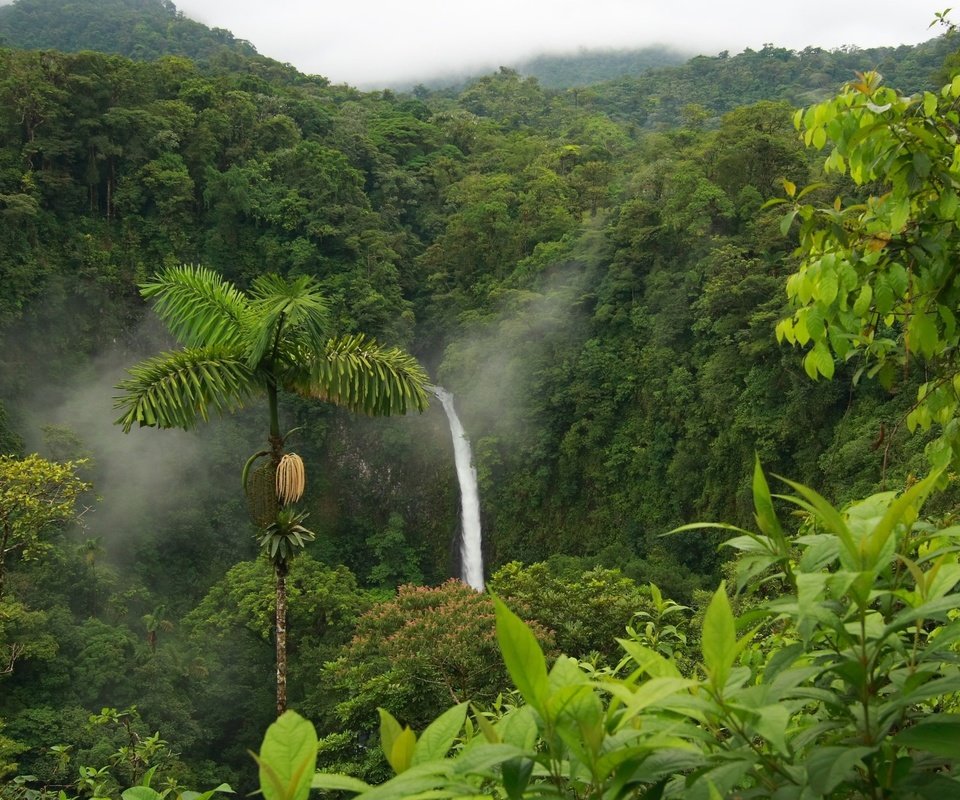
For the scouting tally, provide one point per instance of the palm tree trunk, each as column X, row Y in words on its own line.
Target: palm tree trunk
column 281, row 635
column 280, row 567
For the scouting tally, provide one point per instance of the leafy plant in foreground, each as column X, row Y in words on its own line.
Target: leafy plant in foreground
column 849, row 698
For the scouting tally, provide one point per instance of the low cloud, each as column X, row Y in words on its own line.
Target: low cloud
column 378, row 43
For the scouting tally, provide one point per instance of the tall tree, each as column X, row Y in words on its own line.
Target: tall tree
column 237, row 346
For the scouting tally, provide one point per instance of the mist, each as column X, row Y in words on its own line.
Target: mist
column 374, row 43
column 490, row 368
column 143, row 479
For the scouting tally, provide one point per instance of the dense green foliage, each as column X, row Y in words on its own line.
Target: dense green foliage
column 141, row 29
column 593, row 274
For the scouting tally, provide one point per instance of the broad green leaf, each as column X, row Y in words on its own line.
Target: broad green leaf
column 771, row 723
column 140, row 793
column 288, row 758
column 862, row 304
column 421, row 778
column 828, row 767
column 883, row 294
column 823, row 359
column 938, row 734
column 942, row 578
column 398, row 743
column 922, row 334
column 480, row 759
column 827, row 289
column 899, row 213
column 390, row 730
column 815, row 323
column 787, row 221
column 577, row 715
column 565, row 672
column 651, row 692
column 522, row 655
column 718, row 782
column 819, row 551
column 762, row 545
column 719, row 638
column 516, row 776
column 751, row 566
column 224, row 788
column 436, row 741
column 518, row 728
column 899, row 279
column 338, row 783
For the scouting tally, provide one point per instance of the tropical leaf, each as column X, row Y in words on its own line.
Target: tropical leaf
column 287, row 316
column 199, row 307
column 175, row 389
column 355, row 372
column 288, row 758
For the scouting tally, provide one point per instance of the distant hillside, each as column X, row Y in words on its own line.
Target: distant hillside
column 595, row 66
column 706, row 87
column 139, row 29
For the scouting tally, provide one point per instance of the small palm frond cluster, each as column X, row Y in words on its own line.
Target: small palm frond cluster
column 283, row 537
column 236, row 345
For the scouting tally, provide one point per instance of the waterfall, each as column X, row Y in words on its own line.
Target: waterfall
column 471, row 555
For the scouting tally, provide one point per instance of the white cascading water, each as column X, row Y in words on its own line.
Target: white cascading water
column 471, row 553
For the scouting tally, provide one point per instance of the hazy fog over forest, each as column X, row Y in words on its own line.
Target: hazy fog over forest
column 376, row 42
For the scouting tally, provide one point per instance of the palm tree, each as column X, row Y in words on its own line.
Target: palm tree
column 237, row 346
column 155, row 622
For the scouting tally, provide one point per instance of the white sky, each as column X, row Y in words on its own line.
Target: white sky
column 379, row 42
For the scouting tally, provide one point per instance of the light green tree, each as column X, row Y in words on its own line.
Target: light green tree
column 36, row 496
column 878, row 283
column 238, row 346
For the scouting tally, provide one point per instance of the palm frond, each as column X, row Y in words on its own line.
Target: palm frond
column 176, row 389
column 200, row 308
column 355, row 372
column 286, row 311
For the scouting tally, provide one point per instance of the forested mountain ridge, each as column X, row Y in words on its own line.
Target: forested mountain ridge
column 660, row 79
column 140, row 29
column 657, row 87
column 707, row 86
column 601, row 298
column 588, row 66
